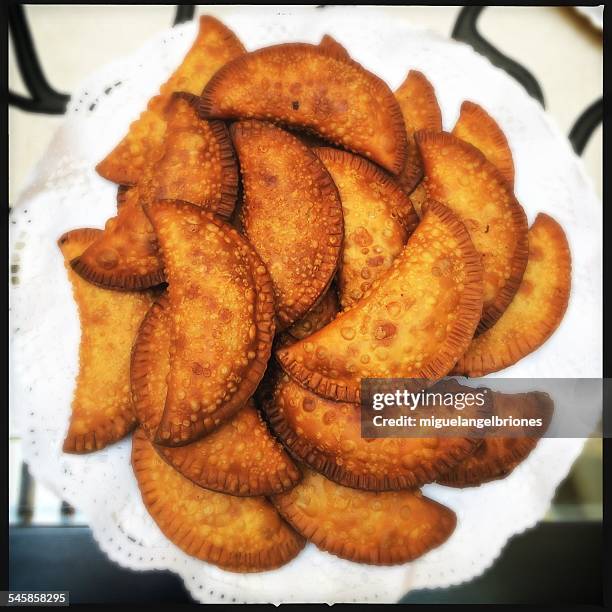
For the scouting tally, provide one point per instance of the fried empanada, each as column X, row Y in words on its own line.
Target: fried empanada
column 378, row 218
column 331, row 46
column 101, row 407
column 214, row 46
column 459, row 175
column 197, row 165
column 317, row 317
column 221, row 307
column 239, row 458
column 291, row 213
column 327, row 436
column 496, row 457
column 378, row 528
column 301, row 85
column 124, row 256
column 419, row 105
column 415, row 321
column 536, row 310
column 478, row 128
column 239, row 534
column 143, row 143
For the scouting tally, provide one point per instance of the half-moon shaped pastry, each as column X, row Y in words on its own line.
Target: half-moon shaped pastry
column 536, row 310
column 459, row 175
column 221, row 309
column 197, row 165
column 302, row 85
column 416, row 320
column 239, row 534
column 478, row 128
column 497, row 456
column 214, row 46
column 239, row 458
column 101, row 406
column 417, row 99
column 123, row 256
column 377, row 528
column 327, row 436
column 378, row 218
column 291, row 213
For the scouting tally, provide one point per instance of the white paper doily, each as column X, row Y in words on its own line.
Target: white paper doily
column 64, row 192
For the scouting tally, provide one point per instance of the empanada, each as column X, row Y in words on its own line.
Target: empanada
column 291, row 213
column 101, row 406
column 301, row 85
column 419, row 105
column 239, row 534
column 221, row 309
column 239, row 458
column 378, row 218
column 478, row 128
column 497, row 456
column 124, row 256
column 327, row 436
column 214, row 46
column 415, row 321
column 459, row 175
column 536, row 310
column 377, row 528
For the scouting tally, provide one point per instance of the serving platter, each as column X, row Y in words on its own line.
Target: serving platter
column 64, row 192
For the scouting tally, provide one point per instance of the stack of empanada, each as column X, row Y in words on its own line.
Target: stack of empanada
column 286, row 227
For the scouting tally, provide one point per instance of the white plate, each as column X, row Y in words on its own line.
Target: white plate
column 65, row 192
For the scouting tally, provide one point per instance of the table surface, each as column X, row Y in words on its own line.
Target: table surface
column 558, row 45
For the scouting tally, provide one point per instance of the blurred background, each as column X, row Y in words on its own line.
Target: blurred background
column 555, row 52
